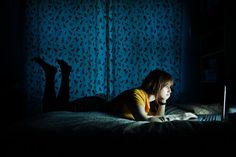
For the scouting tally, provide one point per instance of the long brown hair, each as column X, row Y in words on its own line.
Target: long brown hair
column 155, row 81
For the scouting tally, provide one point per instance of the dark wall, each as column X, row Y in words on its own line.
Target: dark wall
column 190, row 60
column 12, row 97
column 212, row 23
column 231, row 49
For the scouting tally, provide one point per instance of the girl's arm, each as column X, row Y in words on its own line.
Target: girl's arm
column 161, row 110
column 140, row 114
column 157, row 109
column 161, row 107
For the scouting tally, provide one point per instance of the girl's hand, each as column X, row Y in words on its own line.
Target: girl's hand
column 161, row 100
column 189, row 115
column 158, row 119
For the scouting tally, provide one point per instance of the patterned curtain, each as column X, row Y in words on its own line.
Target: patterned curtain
column 143, row 35
column 110, row 44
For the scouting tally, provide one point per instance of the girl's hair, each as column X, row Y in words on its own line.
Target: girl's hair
column 155, row 81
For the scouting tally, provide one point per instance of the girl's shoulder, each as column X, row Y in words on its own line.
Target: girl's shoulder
column 139, row 92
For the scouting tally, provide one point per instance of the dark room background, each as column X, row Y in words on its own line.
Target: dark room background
column 110, row 44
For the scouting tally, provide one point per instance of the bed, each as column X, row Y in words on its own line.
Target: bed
column 65, row 131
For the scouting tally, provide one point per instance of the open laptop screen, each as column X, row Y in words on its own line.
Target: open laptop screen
column 224, row 104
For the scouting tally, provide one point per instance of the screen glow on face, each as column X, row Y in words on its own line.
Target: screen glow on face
column 165, row 92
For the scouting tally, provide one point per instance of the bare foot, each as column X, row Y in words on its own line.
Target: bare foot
column 65, row 68
column 48, row 69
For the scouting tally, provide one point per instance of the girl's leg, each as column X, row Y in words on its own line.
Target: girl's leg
column 63, row 94
column 49, row 97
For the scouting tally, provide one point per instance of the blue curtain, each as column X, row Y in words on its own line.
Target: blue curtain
column 110, row 44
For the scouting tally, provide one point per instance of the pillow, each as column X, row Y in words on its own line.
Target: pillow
column 198, row 108
column 208, row 109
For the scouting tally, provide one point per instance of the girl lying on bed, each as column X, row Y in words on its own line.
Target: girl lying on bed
column 132, row 104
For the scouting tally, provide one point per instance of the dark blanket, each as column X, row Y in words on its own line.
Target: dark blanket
column 63, row 130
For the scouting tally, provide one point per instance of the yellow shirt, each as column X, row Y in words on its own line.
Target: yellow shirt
column 123, row 102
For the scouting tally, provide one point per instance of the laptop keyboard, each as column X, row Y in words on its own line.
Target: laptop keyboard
column 209, row 117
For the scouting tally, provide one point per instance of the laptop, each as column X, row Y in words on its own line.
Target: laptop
column 218, row 116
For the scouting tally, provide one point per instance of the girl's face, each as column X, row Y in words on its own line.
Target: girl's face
column 165, row 92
